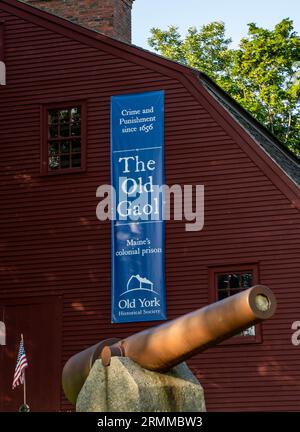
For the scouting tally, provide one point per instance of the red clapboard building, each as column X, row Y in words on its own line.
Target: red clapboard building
column 55, row 274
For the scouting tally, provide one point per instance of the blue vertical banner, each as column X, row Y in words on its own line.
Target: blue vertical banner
column 137, row 173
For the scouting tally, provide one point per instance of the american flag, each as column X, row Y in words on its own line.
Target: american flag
column 21, row 365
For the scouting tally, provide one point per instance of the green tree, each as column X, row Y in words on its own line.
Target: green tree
column 262, row 74
column 206, row 50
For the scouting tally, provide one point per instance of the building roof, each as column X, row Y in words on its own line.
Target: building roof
column 271, row 149
column 279, row 153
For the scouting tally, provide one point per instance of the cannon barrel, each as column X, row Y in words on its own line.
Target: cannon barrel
column 162, row 347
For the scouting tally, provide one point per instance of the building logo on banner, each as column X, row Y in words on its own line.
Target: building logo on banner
column 137, row 171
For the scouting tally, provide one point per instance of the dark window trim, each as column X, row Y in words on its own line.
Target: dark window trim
column 213, row 272
column 44, row 136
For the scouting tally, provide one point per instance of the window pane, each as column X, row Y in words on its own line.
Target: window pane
column 76, row 114
column 53, row 131
column 53, row 162
column 222, row 281
column 64, row 116
column 76, row 160
column 75, row 129
column 76, row 146
column 249, row 331
column 222, row 294
column 52, row 116
column 65, row 146
column 234, row 280
column 247, row 280
column 64, row 130
column 53, row 147
column 235, row 291
column 65, row 161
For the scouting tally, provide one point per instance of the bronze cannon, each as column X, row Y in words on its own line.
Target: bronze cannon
column 165, row 346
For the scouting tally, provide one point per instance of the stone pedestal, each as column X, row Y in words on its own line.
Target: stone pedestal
column 125, row 386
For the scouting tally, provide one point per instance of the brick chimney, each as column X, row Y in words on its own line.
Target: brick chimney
column 110, row 17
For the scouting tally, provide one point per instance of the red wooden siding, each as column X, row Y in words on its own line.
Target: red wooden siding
column 39, row 319
column 51, row 241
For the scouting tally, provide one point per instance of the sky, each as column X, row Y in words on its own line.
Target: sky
column 188, row 13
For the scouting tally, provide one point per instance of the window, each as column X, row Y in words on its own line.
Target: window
column 227, row 281
column 63, row 146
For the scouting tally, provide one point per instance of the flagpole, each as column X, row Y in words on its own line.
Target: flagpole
column 24, row 378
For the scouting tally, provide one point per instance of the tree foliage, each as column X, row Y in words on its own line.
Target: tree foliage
column 262, row 74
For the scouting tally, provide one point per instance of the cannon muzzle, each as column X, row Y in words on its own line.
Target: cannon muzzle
column 163, row 347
